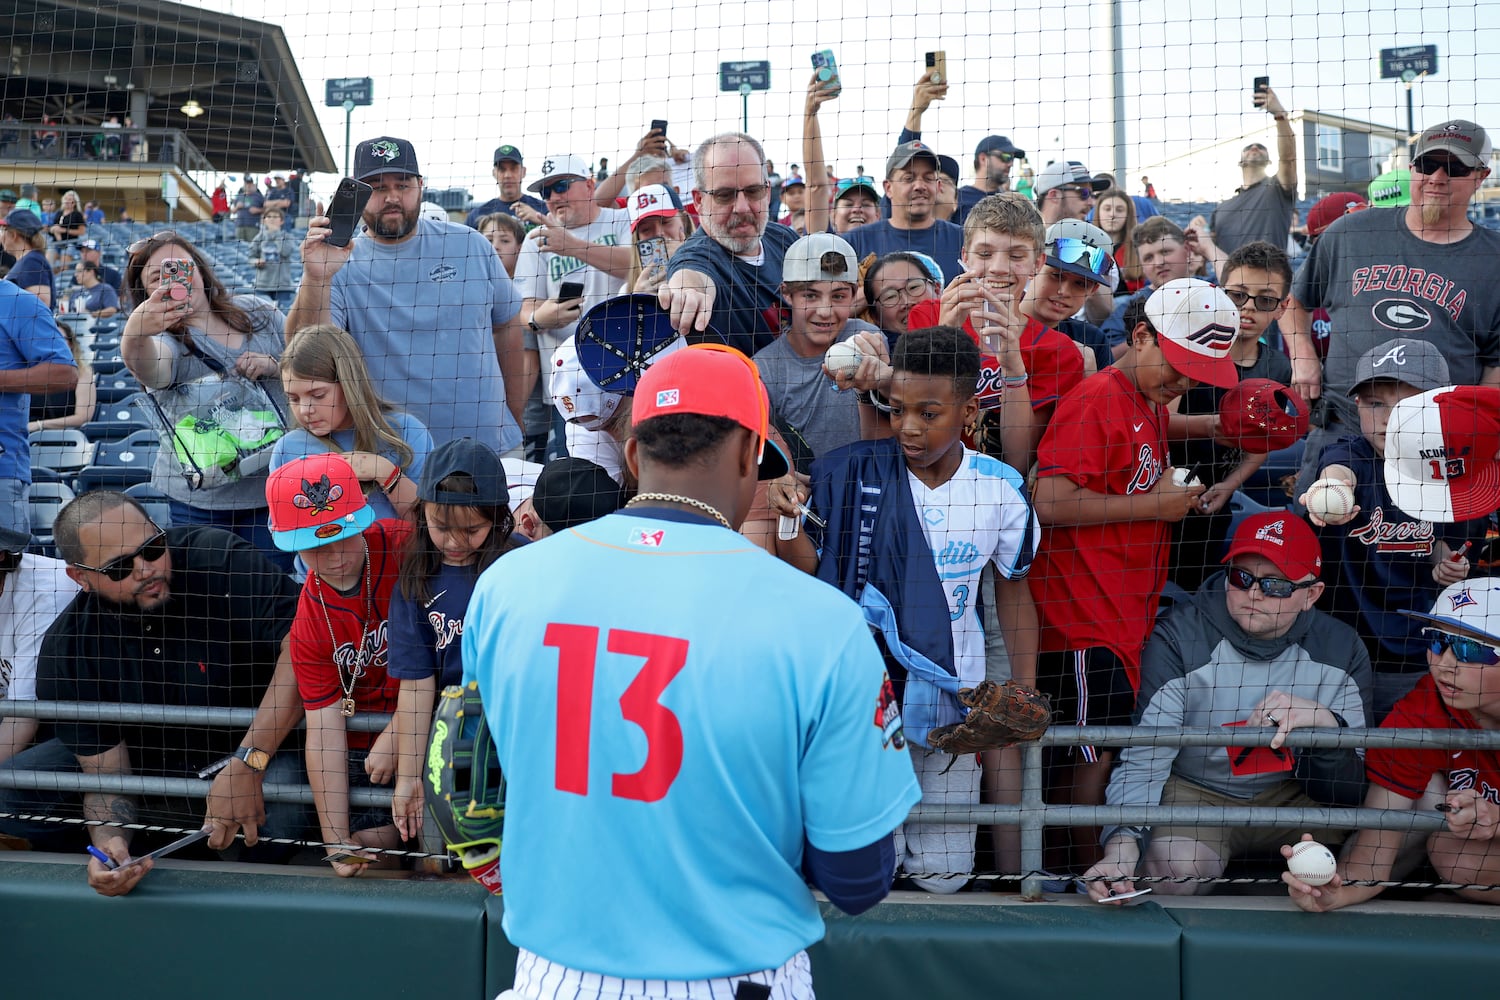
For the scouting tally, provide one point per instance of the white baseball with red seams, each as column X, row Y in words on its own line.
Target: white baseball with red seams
column 843, row 358
column 1312, row 863
column 1330, row 499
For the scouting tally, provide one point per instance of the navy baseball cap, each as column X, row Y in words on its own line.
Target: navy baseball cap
column 385, row 155
column 508, row 154
column 948, row 165
column 999, row 144
column 24, row 221
column 794, row 182
column 475, row 460
column 620, row 338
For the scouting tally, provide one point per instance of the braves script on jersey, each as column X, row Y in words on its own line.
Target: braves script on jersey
column 1407, row 771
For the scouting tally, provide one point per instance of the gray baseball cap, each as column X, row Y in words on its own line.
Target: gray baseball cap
column 820, row 257
column 1413, row 362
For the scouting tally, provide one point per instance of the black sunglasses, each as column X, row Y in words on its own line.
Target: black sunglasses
column 559, row 187
column 119, row 568
column 1429, row 165
column 1271, row 586
column 1263, row 303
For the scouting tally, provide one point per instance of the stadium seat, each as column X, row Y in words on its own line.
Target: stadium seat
column 112, row 477
column 158, row 506
column 118, row 420
column 64, row 450
column 45, row 500
column 136, row 450
column 116, row 388
column 108, row 362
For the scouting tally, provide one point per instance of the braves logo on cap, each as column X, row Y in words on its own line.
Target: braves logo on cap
column 667, row 397
column 320, row 496
column 1396, row 356
column 385, row 150
column 644, row 201
column 1215, row 336
column 1462, row 599
column 1275, row 533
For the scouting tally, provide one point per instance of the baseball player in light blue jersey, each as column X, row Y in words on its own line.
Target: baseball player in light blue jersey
column 685, row 752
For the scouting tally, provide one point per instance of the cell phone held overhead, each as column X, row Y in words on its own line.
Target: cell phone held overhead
column 1262, row 84
column 345, row 211
column 937, row 67
column 827, row 70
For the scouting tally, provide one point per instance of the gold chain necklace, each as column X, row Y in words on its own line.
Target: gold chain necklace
column 685, row 501
column 346, row 707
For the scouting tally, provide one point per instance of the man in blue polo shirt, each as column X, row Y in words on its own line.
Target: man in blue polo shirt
column 911, row 182
column 34, row 358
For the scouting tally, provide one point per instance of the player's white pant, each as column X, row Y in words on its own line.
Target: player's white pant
column 539, row 979
column 941, row 847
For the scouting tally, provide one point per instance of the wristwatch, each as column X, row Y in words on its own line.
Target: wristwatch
column 531, row 323
column 256, row 759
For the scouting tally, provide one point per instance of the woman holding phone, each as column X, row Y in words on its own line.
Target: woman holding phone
column 186, row 326
column 658, row 226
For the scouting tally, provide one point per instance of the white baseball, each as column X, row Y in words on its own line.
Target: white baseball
column 1330, row 499
column 843, row 358
column 1312, row 863
column 1184, row 477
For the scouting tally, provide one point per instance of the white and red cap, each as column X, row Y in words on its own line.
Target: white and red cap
column 1470, row 607
column 1195, row 325
column 1440, row 453
column 652, row 200
column 575, row 395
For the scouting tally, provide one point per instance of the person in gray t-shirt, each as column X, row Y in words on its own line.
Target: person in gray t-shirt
column 1263, row 207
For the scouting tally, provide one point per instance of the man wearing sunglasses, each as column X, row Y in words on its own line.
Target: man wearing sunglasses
column 1461, row 691
column 1065, row 189
column 992, row 165
column 1264, row 204
column 1247, row 652
column 190, row 616
column 1423, row 271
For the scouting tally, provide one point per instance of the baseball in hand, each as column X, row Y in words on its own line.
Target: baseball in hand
column 1330, row 499
column 842, row 358
column 1312, row 863
column 1184, row 477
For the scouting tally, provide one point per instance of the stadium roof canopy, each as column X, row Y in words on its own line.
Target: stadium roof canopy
column 81, row 61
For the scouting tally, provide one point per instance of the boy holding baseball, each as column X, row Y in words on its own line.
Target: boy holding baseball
column 1381, row 559
column 1106, row 496
column 819, row 282
column 1461, row 690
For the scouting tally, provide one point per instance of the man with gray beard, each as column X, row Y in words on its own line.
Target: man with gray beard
column 726, row 277
column 1422, row 271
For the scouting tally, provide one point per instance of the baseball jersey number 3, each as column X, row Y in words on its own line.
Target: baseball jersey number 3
column 577, row 651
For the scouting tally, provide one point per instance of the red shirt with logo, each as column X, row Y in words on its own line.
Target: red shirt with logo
column 1052, row 360
column 1098, row 584
column 1407, row 771
column 351, row 630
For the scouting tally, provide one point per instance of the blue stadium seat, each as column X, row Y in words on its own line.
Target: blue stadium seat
column 158, row 506
column 64, row 450
column 45, row 500
column 118, row 420
column 137, row 451
column 116, row 388
column 112, row 477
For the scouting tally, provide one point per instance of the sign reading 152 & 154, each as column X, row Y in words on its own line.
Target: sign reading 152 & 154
column 357, row 90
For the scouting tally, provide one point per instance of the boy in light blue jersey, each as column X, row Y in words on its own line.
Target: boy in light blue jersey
column 708, row 740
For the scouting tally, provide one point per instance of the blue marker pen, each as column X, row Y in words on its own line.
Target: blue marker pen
column 104, row 859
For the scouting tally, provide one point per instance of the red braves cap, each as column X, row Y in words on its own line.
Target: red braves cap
column 1331, row 208
column 711, row 380
column 1281, row 537
column 1261, row 416
column 315, row 501
column 1440, row 450
column 1195, row 324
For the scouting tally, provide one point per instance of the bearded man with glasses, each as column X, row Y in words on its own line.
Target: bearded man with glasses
column 1248, row 652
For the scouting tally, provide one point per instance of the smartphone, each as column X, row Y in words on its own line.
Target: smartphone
column 659, row 125
column 1262, row 84
column 346, row 858
column 828, row 69
column 345, row 210
column 570, row 290
column 653, row 252
column 937, row 64
column 177, row 278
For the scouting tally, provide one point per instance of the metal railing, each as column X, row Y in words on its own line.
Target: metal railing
column 1031, row 815
column 140, row 147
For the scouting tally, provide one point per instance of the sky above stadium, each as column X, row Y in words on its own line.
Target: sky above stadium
column 459, row 78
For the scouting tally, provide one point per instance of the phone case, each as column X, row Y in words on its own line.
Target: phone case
column 177, row 276
column 345, row 209
column 652, row 252
column 828, row 69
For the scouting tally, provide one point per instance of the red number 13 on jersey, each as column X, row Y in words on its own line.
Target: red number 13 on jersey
column 577, row 651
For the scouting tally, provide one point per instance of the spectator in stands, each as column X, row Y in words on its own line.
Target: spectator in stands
column 1463, row 649
column 220, row 202
column 887, row 501
column 992, row 162
column 248, row 205
column 1364, row 270
column 91, row 254
column 339, row 642
column 1106, row 496
column 337, row 410
column 70, row 226
column 462, row 525
column 580, row 244
column 1162, row 248
column 794, row 198
column 893, row 285
column 506, row 233
column 22, row 235
column 945, row 205
column 7, row 205
column 855, row 204
column 1381, row 558
column 1114, row 212
column 427, row 302
column 1070, row 276
column 49, row 210
column 34, row 590
column 271, row 254
column 509, row 171
column 71, row 407
column 1148, row 189
column 98, row 299
column 190, row 616
column 169, row 343
column 727, row 275
column 28, row 200
column 93, row 215
column 1263, row 207
column 1064, row 189
column 648, row 164
column 34, row 360
column 1248, row 650
column 912, row 184
column 819, row 278
column 278, row 196
column 655, row 214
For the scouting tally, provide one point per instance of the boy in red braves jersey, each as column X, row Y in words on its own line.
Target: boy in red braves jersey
column 338, row 639
column 1105, row 496
column 1003, row 237
column 1461, row 691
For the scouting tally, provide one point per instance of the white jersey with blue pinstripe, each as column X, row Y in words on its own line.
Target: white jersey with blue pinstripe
column 980, row 515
